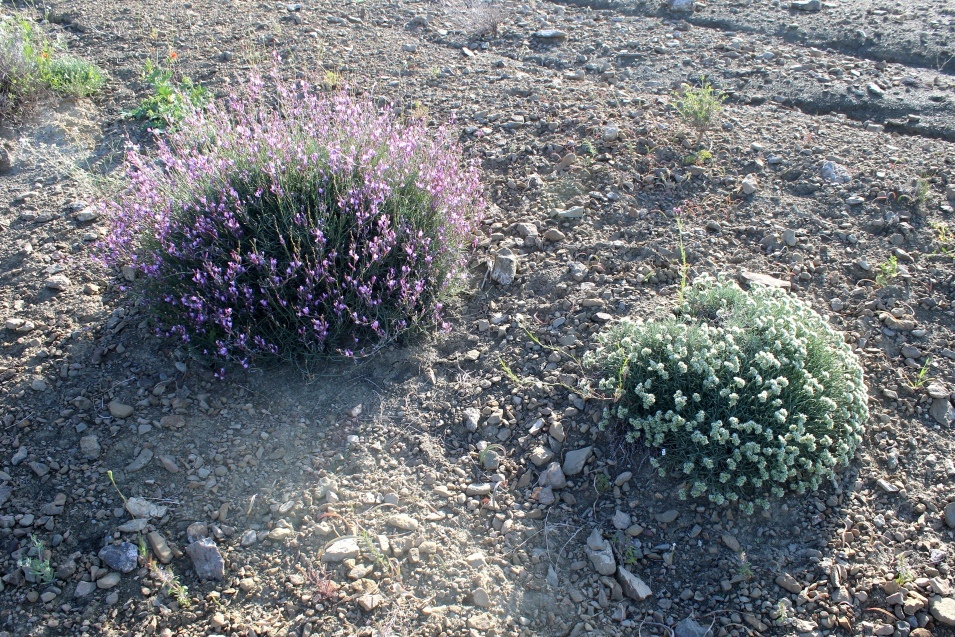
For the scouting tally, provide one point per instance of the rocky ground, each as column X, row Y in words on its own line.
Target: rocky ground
column 461, row 485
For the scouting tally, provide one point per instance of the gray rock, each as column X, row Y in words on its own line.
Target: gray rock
column 575, row 460
column 403, row 521
column 19, row 456
column 84, row 588
column 471, row 419
column 942, row 411
column 144, row 457
column 551, row 34
column 108, row 581
column 122, row 557
column 207, row 559
column 689, row 627
column 541, row 456
column 806, row 5
column 554, row 235
column 943, row 610
column 159, row 546
column 196, row 531
column 89, row 213
column 142, row 508
column 667, row 517
column 89, row 447
column 950, row 515
column 835, row 173
column 731, row 542
column 481, row 598
column 490, row 460
column 681, row 5
column 553, row 477
column 749, row 185
column 340, row 550
column 787, row 581
column 58, row 282
column 764, row 279
column 633, row 587
column 120, row 410
column 504, row 268
column 578, row 271
column 601, row 554
column 545, row 496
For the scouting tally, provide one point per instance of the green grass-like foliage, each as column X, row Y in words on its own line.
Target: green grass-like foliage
column 746, row 394
column 20, row 84
column 700, row 106
column 73, row 76
column 31, row 67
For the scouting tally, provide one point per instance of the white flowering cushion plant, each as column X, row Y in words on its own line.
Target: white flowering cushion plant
column 746, row 394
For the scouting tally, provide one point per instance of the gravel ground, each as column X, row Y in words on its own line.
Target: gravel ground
column 460, row 485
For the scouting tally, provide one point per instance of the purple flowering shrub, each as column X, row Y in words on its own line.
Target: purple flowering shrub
column 296, row 224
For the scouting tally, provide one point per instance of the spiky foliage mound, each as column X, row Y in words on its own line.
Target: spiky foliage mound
column 296, row 225
column 746, row 394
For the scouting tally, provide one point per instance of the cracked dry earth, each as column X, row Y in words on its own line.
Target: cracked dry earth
column 460, row 485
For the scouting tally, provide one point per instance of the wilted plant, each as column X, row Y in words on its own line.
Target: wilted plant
column 317, row 225
column 746, row 394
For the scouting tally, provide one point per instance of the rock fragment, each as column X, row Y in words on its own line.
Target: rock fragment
column 340, row 550
column 120, row 410
column 89, row 447
column 504, row 268
column 575, row 460
column 122, row 557
column 633, row 587
column 601, row 554
column 206, row 559
column 58, row 282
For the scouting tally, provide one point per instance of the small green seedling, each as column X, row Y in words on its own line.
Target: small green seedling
column 171, row 99
column 699, row 106
column 631, row 555
column 37, row 567
column 171, row 584
column 368, row 544
column 945, row 239
column 922, row 377
column 698, row 158
column 745, row 568
column 904, row 574
column 888, row 270
column 602, row 483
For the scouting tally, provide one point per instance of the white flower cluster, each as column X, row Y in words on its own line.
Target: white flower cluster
column 750, row 393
